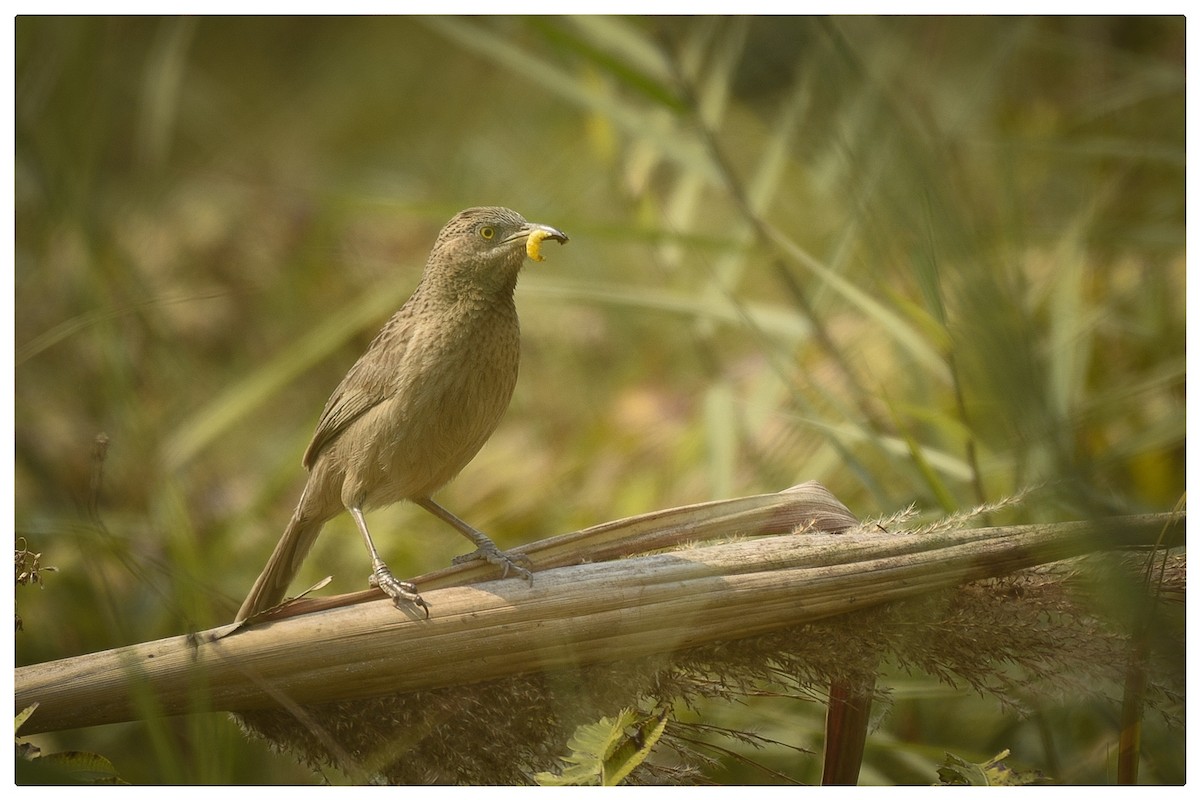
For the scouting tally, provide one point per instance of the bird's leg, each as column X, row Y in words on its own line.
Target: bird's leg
column 486, row 549
column 381, row 576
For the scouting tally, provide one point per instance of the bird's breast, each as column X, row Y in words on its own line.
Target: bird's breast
column 453, row 388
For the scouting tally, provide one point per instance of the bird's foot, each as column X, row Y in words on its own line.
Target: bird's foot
column 508, row 562
column 400, row 591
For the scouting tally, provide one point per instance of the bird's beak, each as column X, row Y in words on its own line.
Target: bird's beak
column 543, row 231
column 534, row 234
column 552, row 233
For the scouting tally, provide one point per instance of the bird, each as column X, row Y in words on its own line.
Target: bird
column 419, row 403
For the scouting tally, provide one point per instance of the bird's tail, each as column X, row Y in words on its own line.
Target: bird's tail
column 271, row 586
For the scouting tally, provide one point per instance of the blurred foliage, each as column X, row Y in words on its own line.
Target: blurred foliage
column 921, row 260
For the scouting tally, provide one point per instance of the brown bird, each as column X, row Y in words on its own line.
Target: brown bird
column 420, row 402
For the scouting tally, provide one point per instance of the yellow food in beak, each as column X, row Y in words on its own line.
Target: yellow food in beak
column 533, row 243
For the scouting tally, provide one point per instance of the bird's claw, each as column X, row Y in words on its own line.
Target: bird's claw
column 400, row 591
column 514, row 562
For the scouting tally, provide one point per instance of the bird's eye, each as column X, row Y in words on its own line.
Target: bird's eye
column 487, row 231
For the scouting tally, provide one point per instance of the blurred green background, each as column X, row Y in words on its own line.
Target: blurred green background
column 921, row 260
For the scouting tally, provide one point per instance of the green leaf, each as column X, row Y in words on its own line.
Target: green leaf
column 83, row 767
column 604, row 753
column 993, row 772
column 634, row 749
column 25, row 714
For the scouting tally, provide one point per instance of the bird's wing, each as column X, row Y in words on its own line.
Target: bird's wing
column 345, row 406
column 371, row 381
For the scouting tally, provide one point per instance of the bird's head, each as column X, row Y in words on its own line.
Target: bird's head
column 487, row 246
